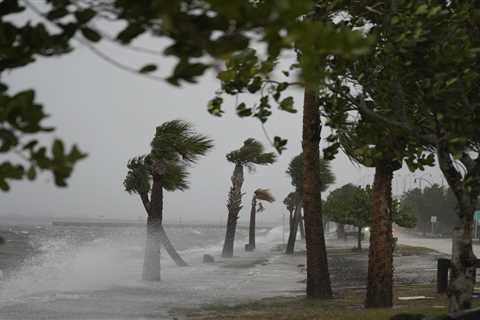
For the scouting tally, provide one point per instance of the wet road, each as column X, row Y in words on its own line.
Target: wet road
column 440, row 245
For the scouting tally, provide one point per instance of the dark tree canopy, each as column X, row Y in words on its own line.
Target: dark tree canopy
column 353, row 205
column 295, row 172
column 434, row 200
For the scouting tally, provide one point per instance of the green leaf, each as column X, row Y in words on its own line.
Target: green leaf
column 132, row 31
column 4, row 185
column 75, row 154
column 226, row 75
column 84, row 16
column 31, row 173
column 57, row 13
column 215, row 106
column 8, row 140
column 148, row 68
column 451, row 81
column 255, row 85
column 91, row 34
column 422, row 9
column 279, row 144
column 58, row 149
column 287, row 105
column 243, row 111
column 282, row 86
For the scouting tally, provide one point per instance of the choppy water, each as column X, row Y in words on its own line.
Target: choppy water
column 55, row 272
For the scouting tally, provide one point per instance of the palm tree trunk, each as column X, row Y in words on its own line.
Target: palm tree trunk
column 251, row 230
column 302, row 228
column 318, row 276
column 341, row 231
column 234, row 206
column 151, row 262
column 292, row 236
column 462, row 275
column 359, row 238
column 172, row 252
column 380, row 258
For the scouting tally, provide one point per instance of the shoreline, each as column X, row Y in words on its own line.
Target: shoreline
column 414, row 275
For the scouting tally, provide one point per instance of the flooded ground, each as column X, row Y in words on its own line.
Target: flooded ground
column 88, row 273
column 55, row 272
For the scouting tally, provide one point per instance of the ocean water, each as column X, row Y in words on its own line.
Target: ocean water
column 61, row 272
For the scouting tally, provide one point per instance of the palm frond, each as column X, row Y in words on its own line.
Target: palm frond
column 295, row 172
column 251, row 153
column 138, row 176
column 175, row 147
column 264, row 195
column 289, row 201
column 177, row 140
column 175, row 176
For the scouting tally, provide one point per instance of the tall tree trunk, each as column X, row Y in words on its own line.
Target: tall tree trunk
column 292, row 236
column 302, row 228
column 234, row 205
column 340, row 231
column 359, row 238
column 380, row 257
column 251, row 230
column 318, row 276
column 151, row 262
column 172, row 252
column 462, row 275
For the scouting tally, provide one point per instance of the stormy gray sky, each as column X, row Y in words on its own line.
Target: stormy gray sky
column 112, row 115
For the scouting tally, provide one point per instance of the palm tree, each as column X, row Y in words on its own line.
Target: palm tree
column 250, row 154
column 295, row 172
column 290, row 203
column 175, row 147
column 258, row 195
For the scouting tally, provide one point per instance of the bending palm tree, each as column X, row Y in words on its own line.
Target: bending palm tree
column 250, row 154
column 289, row 203
column 295, row 171
column 175, row 148
column 258, row 195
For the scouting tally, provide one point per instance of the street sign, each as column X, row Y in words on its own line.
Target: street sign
column 433, row 219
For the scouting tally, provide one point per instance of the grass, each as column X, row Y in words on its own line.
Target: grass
column 405, row 250
column 346, row 305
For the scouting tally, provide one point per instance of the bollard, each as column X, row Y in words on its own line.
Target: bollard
column 442, row 275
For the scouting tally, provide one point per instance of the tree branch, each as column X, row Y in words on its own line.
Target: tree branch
column 362, row 107
column 91, row 47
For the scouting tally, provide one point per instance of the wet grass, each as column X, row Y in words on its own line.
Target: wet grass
column 346, row 305
column 405, row 250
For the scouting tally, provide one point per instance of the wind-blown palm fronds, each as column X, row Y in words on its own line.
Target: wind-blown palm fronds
column 138, row 176
column 176, row 140
column 295, row 171
column 289, row 201
column 264, row 195
column 250, row 154
column 175, row 147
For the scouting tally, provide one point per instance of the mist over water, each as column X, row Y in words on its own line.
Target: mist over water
column 95, row 273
